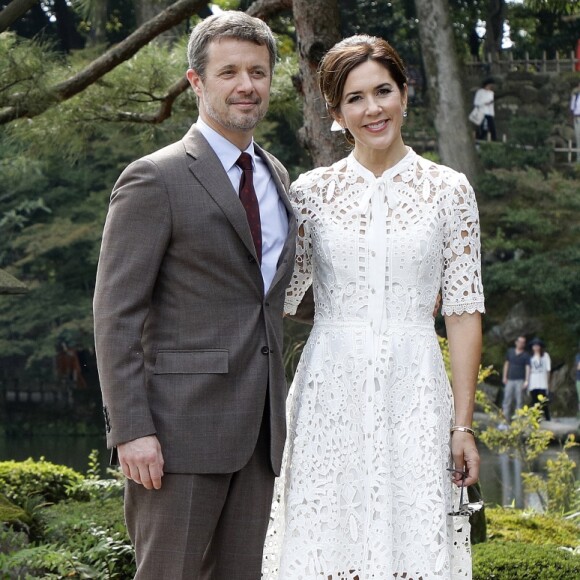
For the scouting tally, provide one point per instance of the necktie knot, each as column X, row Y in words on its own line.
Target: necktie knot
column 245, row 161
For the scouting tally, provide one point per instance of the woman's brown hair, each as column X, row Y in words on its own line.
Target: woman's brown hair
column 346, row 55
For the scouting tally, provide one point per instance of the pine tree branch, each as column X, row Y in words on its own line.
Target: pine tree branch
column 165, row 109
column 118, row 54
column 264, row 9
column 13, row 11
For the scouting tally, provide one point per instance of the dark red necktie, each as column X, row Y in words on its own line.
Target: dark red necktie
column 250, row 201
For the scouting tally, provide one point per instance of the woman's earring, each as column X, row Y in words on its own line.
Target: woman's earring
column 336, row 126
column 405, row 113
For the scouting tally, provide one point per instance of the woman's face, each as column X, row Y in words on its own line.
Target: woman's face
column 372, row 107
column 536, row 348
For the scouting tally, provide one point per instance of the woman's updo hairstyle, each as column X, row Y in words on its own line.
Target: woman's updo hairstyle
column 346, row 55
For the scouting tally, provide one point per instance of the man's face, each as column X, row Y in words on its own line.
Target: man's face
column 234, row 96
column 520, row 343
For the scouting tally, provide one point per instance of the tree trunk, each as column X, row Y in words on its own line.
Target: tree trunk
column 455, row 143
column 98, row 19
column 146, row 10
column 494, row 27
column 13, row 11
column 317, row 30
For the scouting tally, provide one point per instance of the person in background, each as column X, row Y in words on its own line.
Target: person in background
column 540, row 368
column 484, row 98
column 575, row 113
column 515, row 377
column 197, row 253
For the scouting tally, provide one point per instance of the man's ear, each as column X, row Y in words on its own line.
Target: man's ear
column 195, row 81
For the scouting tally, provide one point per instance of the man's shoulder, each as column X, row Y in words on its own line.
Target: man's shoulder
column 277, row 165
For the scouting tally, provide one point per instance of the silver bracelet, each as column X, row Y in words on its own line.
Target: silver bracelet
column 464, row 429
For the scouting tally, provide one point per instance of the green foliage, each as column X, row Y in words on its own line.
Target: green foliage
column 514, row 561
column 511, row 525
column 28, row 67
column 96, row 553
column 528, row 146
column 93, row 488
column 65, row 519
column 560, row 486
column 77, row 539
column 11, row 540
column 523, row 438
column 9, row 512
column 530, row 224
column 20, row 480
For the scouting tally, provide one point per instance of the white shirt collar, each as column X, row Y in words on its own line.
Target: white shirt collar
column 226, row 151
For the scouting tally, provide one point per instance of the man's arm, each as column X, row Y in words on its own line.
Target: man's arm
column 506, row 366
column 135, row 238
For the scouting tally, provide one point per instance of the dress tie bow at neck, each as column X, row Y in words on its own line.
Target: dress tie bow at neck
column 384, row 188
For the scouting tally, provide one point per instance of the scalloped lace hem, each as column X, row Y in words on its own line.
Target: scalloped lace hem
column 469, row 307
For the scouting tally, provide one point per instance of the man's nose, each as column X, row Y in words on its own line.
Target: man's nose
column 245, row 84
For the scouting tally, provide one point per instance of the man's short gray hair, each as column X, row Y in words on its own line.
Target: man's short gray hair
column 228, row 24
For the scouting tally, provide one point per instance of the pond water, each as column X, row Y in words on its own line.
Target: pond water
column 501, row 480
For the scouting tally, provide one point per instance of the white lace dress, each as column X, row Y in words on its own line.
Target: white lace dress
column 365, row 493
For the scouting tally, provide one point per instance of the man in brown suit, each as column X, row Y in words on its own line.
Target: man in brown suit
column 188, row 321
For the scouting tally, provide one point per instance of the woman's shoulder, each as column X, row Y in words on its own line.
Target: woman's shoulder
column 441, row 174
column 317, row 178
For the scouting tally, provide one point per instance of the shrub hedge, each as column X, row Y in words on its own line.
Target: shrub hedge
column 519, row 561
column 20, row 480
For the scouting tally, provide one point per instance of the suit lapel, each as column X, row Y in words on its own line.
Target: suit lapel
column 208, row 170
column 286, row 259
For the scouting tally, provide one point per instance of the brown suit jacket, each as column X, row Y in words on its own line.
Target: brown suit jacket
column 187, row 343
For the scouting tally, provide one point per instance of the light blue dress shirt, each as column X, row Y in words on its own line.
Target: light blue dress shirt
column 273, row 214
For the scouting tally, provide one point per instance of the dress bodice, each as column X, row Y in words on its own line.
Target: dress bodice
column 378, row 249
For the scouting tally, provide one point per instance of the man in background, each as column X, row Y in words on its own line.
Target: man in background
column 516, row 373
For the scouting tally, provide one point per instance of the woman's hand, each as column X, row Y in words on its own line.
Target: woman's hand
column 465, row 458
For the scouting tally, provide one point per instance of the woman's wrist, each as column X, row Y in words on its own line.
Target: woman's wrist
column 462, row 429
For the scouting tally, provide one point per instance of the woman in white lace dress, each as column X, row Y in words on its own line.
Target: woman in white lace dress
column 372, row 415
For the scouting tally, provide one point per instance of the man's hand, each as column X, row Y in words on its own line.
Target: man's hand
column 142, row 461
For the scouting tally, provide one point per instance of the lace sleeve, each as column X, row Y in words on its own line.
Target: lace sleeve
column 302, row 276
column 462, row 289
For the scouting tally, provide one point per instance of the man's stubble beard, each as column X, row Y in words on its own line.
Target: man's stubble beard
column 235, row 122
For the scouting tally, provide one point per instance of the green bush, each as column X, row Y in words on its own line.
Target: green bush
column 21, row 479
column 10, row 512
column 99, row 554
column 65, row 520
column 11, row 540
column 80, row 540
column 516, row 526
column 518, row 561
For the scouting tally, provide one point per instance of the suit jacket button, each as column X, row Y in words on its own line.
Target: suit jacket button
column 265, row 350
column 251, row 259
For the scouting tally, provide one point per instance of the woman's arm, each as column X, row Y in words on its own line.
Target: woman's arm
column 464, row 336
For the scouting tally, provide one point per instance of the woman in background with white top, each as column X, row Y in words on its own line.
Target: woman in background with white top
column 540, row 367
column 484, row 98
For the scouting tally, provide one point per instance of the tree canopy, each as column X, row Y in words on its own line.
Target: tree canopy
column 87, row 86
